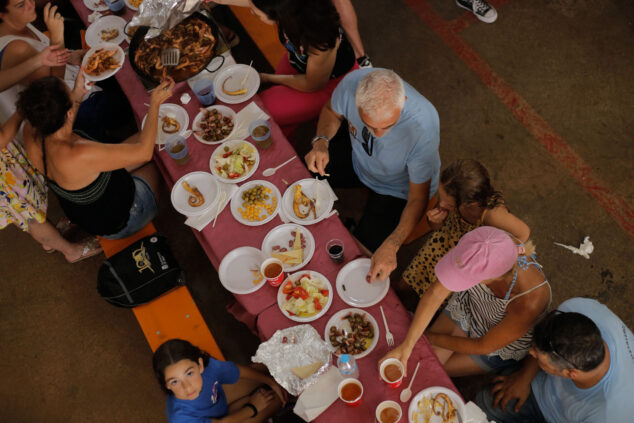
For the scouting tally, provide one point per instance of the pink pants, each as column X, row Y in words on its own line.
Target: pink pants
column 289, row 107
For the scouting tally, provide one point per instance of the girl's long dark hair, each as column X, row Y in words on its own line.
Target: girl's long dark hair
column 311, row 24
column 171, row 352
column 468, row 181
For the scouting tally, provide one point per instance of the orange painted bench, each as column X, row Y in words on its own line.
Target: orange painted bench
column 264, row 36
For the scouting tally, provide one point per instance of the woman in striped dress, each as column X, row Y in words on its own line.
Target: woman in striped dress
column 500, row 293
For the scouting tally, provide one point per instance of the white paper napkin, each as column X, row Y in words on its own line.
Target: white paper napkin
column 318, row 397
column 245, row 117
column 475, row 414
column 225, row 194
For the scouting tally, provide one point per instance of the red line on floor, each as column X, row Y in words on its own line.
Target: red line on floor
column 536, row 125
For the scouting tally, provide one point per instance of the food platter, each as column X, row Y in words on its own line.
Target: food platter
column 118, row 57
column 172, row 111
column 317, row 192
column 225, row 112
column 96, row 5
column 239, row 270
column 246, row 149
column 231, row 77
column 241, row 207
column 340, row 321
column 283, row 303
column 354, row 290
column 415, row 413
column 94, row 32
column 281, row 236
column 206, row 185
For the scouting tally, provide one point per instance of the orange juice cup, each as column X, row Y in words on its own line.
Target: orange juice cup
column 388, row 412
column 350, row 392
column 273, row 271
column 392, row 372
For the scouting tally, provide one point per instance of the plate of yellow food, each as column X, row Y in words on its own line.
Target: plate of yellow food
column 255, row 203
column 308, row 201
column 236, row 84
column 305, row 296
column 239, row 270
column 108, row 29
column 195, row 193
column 173, row 119
column 102, row 61
column 133, row 4
column 292, row 244
column 437, row 404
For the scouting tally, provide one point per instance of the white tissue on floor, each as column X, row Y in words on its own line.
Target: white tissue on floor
column 584, row 250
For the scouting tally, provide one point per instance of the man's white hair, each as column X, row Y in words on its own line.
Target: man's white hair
column 379, row 92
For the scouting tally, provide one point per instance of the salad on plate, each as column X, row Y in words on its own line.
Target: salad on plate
column 233, row 162
column 305, row 297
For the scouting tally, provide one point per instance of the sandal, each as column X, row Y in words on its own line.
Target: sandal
column 91, row 248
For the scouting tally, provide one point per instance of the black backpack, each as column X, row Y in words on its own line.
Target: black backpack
column 140, row 273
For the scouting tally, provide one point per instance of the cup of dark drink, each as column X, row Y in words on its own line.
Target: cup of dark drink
column 334, row 247
column 176, row 147
column 392, row 372
column 204, row 90
column 273, row 271
column 350, row 392
column 388, row 412
column 260, row 131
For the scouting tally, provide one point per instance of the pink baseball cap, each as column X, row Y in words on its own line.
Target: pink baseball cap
column 484, row 253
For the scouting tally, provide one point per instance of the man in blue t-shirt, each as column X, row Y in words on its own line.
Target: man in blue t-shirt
column 586, row 357
column 389, row 144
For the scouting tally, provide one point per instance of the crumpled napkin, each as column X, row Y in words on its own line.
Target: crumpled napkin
column 94, row 16
column 584, row 250
column 318, row 397
column 245, row 117
column 475, row 414
column 224, row 196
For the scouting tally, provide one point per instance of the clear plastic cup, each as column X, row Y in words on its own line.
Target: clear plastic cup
column 176, row 147
column 116, row 6
column 334, row 247
column 204, row 90
column 260, row 131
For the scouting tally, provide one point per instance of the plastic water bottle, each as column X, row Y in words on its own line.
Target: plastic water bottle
column 347, row 366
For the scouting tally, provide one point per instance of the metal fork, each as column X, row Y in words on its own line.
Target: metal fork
column 388, row 335
column 170, row 56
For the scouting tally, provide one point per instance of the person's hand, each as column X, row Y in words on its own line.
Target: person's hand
column 54, row 23
column 318, row 157
column 53, row 56
column 281, row 392
column 436, row 217
column 81, row 87
column 76, row 57
column 506, row 388
column 162, row 92
column 261, row 399
column 400, row 353
column 383, row 262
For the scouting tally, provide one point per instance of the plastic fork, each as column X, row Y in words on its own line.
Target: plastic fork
column 389, row 338
column 170, row 56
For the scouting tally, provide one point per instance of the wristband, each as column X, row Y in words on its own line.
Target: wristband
column 252, row 407
column 319, row 137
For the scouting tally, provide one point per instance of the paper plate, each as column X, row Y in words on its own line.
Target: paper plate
column 236, row 203
column 237, row 271
column 353, row 288
column 281, row 297
column 339, row 322
column 206, row 184
column 119, row 56
column 225, row 111
column 323, row 202
column 96, row 5
column 93, row 33
column 218, row 152
column 430, row 393
column 234, row 75
column 173, row 111
column 281, row 235
column 135, row 8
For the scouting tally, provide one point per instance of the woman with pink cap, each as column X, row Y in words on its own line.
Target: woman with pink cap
column 500, row 293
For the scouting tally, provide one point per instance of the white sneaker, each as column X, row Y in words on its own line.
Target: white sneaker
column 483, row 10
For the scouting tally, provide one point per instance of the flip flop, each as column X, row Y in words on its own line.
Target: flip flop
column 91, row 248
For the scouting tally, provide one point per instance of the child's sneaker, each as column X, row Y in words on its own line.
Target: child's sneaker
column 483, row 10
column 364, row 62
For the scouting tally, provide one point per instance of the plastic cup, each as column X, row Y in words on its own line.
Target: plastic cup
column 274, row 275
column 334, row 247
column 176, row 147
column 385, row 415
column 391, row 381
column 116, row 6
column 204, row 90
column 260, row 131
column 342, row 389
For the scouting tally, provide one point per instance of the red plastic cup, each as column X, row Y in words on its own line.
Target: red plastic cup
column 385, row 405
column 351, row 395
column 391, row 381
column 273, row 271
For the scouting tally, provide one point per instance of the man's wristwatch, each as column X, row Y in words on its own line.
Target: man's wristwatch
column 319, row 137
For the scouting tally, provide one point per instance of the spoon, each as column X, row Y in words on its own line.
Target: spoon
column 271, row 171
column 406, row 393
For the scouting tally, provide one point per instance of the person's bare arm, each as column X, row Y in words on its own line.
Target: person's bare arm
column 10, row 129
column 50, row 56
column 327, row 126
column 55, row 24
column 350, row 25
column 318, row 70
column 501, row 218
column 16, row 53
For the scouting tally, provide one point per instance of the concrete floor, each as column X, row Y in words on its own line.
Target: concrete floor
column 69, row 356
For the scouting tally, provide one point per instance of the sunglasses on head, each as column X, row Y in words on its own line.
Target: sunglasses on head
column 368, row 141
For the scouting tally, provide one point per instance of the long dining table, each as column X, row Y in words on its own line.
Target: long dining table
column 260, row 309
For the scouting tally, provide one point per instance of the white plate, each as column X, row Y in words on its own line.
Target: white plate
column 338, row 321
column 93, row 33
column 358, row 292
column 96, row 5
column 323, row 205
column 236, row 73
column 119, row 57
column 127, row 3
column 225, row 111
column 236, row 203
column 235, row 271
column 281, row 297
column 281, row 235
column 206, row 184
column 173, row 111
column 431, row 392
column 220, row 151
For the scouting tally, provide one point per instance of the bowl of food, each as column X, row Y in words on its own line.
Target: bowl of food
column 173, row 119
column 437, row 404
column 292, row 244
column 305, row 296
column 215, row 124
column 234, row 161
column 308, row 201
column 102, row 61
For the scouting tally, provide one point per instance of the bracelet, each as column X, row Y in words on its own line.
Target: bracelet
column 319, row 137
column 252, row 407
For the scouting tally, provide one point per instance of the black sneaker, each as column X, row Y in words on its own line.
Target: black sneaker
column 483, row 10
column 364, row 61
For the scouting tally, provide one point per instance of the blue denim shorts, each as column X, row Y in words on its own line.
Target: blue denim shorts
column 143, row 209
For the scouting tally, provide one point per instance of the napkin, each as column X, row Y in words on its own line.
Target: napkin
column 318, row 397
column 475, row 414
column 94, row 16
column 224, row 195
column 245, row 117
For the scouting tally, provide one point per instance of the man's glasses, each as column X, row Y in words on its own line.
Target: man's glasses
column 368, row 141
